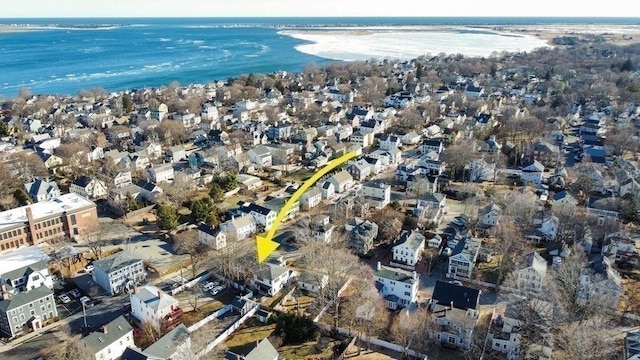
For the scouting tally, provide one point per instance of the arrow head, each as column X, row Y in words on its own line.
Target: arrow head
column 265, row 247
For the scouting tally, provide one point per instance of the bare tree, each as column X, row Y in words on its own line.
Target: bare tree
column 520, row 206
column 95, row 237
column 414, row 330
column 179, row 191
column 187, row 243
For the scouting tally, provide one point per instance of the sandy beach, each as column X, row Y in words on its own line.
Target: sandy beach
column 620, row 35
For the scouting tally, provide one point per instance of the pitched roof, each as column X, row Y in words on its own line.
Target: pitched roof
column 413, row 239
column 167, row 345
column 25, row 270
column 24, row 298
column 263, row 350
column 242, row 221
column 208, row 229
column 535, row 261
column 535, row 166
column 271, row 271
column 133, row 353
column 462, row 297
column 82, row 181
column 116, row 329
column 154, row 298
column 40, row 187
column 342, row 176
column 395, row 274
column 116, row 261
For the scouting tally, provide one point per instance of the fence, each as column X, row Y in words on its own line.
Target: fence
column 374, row 341
column 143, row 210
column 233, row 327
column 206, row 320
column 324, row 309
column 189, row 284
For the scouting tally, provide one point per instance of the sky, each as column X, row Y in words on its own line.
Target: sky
column 320, row 8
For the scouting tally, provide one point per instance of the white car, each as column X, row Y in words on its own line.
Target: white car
column 75, row 293
column 64, row 298
column 208, row 286
column 86, row 301
column 88, row 268
column 217, row 290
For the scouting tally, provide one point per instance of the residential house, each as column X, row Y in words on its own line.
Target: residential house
column 428, row 145
column 88, row 187
column 153, row 150
column 42, row 189
column 150, row 305
column 327, row 189
column 322, row 229
column 455, row 308
column 277, row 203
column 488, row 218
column 271, row 278
column 160, row 173
column 311, row 198
column 249, row 182
column 211, row 236
column 409, row 247
column 492, row 145
column 544, row 152
column 377, row 194
column 280, row 131
column 391, row 157
column 341, row 181
column 175, row 153
column 621, row 248
column 398, row 287
column 463, row 257
column 435, row 242
column 109, row 342
column 411, row 138
column 360, row 169
column 261, row 156
column 432, row 201
column 263, row 350
column 532, row 173
column 604, row 208
column 545, row 228
column 67, row 216
column 531, row 270
column 361, row 138
column 312, row 281
column 174, row 345
column 239, row 227
column 25, row 278
column 122, row 179
column 26, row 311
column 602, row 286
column 361, row 235
column 118, row 272
column 263, row 216
column 388, row 142
column 148, row 191
column 480, row 171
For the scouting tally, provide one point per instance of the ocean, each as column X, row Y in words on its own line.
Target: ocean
column 66, row 55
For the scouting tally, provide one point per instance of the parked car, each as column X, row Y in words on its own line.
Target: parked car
column 88, row 268
column 217, row 290
column 64, row 298
column 75, row 293
column 210, row 285
column 86, row 301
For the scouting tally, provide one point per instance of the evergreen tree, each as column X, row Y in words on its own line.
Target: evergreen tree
column 627, row 65
column 127, row 104
column 167, row 216
column 202, row 209
column 4, row 129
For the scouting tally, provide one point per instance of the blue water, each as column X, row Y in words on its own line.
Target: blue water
column 152, row 52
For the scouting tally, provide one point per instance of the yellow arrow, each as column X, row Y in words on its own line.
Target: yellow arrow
column 264, row 243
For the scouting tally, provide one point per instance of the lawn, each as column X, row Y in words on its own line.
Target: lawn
column 242, row 340
column 208, row 308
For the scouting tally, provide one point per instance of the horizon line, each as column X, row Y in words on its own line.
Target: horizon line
column 325, row 17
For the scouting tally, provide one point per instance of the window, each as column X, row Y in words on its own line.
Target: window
column 73, row 219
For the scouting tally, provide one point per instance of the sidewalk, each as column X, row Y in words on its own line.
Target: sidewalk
column 49, row 329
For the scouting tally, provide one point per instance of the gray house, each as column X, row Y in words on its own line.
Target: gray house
column 27, row 310
column 41, row 190
column 118, row 272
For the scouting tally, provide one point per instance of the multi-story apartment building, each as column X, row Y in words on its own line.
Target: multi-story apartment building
column 67, row 216
column 24, row 311
column 118, row 272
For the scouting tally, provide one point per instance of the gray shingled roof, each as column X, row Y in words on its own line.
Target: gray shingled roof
column 116, row 261
column 166, row 345
column 150, row 296
column 25, row 270
column 395, row 274
column 99, row 340
column 24, row 298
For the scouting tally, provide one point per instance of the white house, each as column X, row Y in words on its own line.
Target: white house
column 176, row 153
column 377, row 194
column 211, row 236
column 239, row 227
column 342, row 181
column 531, row 271
column 389, row 142
column 327, row 189
column 122, row 179
column 409, row 247
column 152, row 305
column 109, row 342
column 160, row 173
column 271, row 278
column 463, row 257
column 118, row 272
column 42, row 190
column 261, row 156
column 398, row 287
column 312, row 281
column 532, row 173
column 25, row 278
column 311, row 198
column 490, row 215
column 263, row 215
column 411, row 138
column 89, row 188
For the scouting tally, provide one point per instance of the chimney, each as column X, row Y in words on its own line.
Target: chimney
column 452, row 304
column 135, row 290
column 160, row 294
column 415, row 275
column 378, row 266
column 104, row 329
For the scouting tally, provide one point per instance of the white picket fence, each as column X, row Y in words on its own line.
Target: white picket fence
column 190, row 284
column 209, row 318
